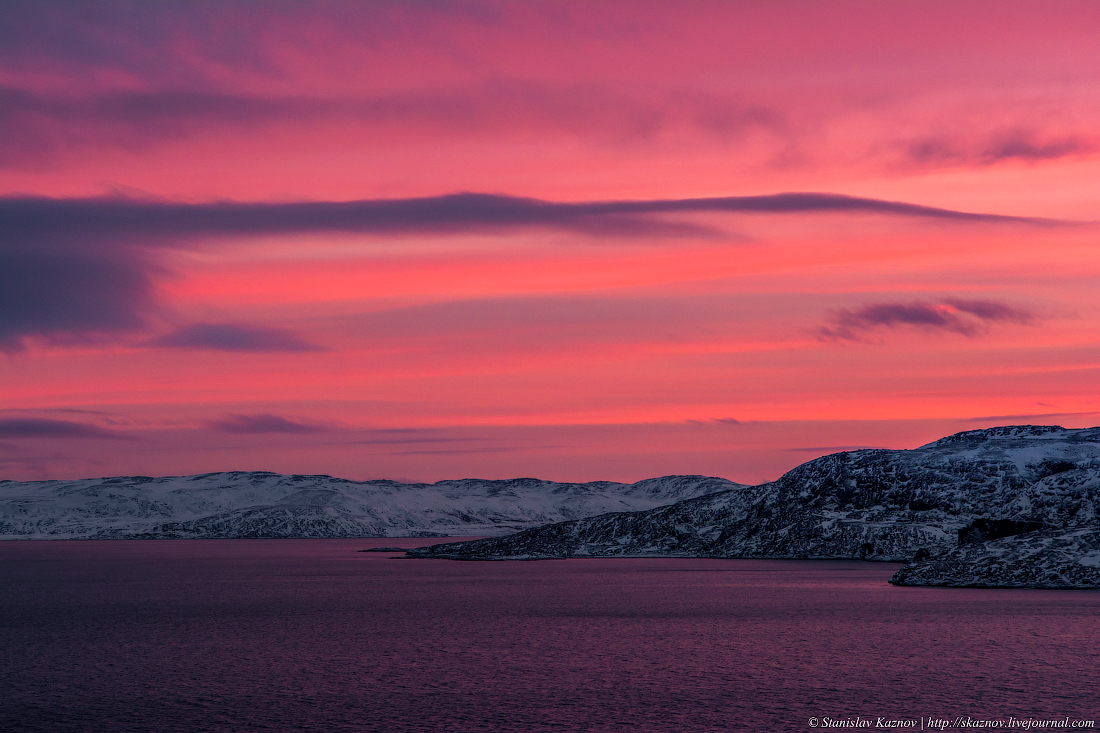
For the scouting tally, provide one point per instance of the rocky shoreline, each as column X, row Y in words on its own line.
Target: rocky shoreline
column 1006, row 507
column 1044, row 559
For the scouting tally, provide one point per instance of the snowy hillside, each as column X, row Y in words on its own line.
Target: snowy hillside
column 869, row 504
column 1052, row 558
column 261, row 504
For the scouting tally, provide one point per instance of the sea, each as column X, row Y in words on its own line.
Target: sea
column 313, row 635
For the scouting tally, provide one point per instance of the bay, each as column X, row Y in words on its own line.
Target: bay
column 312, row 635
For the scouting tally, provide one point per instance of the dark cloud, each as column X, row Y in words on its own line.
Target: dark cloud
column 989, row 310
column 265, row 423
column 27, row 427
column 1023, row 146
column 33, row 125
column 196, row 42
column 1020, row 145
column 71, row 295
column 966, row 317
column 234, row 337
column 78, row 268
column 123, row 37
column 120, row 220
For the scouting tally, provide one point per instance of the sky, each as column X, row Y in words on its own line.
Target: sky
column 576, row 241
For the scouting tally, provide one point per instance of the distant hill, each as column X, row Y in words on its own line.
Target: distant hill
column 261, row 504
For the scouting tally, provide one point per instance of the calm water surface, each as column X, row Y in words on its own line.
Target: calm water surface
column 310, row 635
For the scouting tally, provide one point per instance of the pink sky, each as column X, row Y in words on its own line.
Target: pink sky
column 229, row 241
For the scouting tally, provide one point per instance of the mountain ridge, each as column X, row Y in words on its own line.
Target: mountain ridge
column 1010, row 506
column 911, row 506
column 249, row 504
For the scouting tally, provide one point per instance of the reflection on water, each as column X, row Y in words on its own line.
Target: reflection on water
column 244, row 635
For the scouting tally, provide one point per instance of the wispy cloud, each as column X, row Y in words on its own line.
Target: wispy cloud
column 234, row 337
column 35, row 125
column 1012, row 145
column 265, row 422
column 966, row 317
column 26, row 427
column 833, row 449
column 1029, row 416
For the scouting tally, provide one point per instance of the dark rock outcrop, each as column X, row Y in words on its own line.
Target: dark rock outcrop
column 983, row 530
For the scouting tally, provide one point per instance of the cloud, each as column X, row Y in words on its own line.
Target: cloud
column 34, row 125
column 469, row 451
column 1011, row 145
column 129, row 221
column 833, row 449
column 1026, row 146
column 1001, row 419
column 71, row 294
column 265, row 423
column 43, row 428
column 234, row 337
column 126, row 39
column 966, row 317
column 79, row 268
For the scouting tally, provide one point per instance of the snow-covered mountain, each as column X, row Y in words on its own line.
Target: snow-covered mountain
column 1049, row 558
column 262, row 504
column 1006, row 507
column 975, row 487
